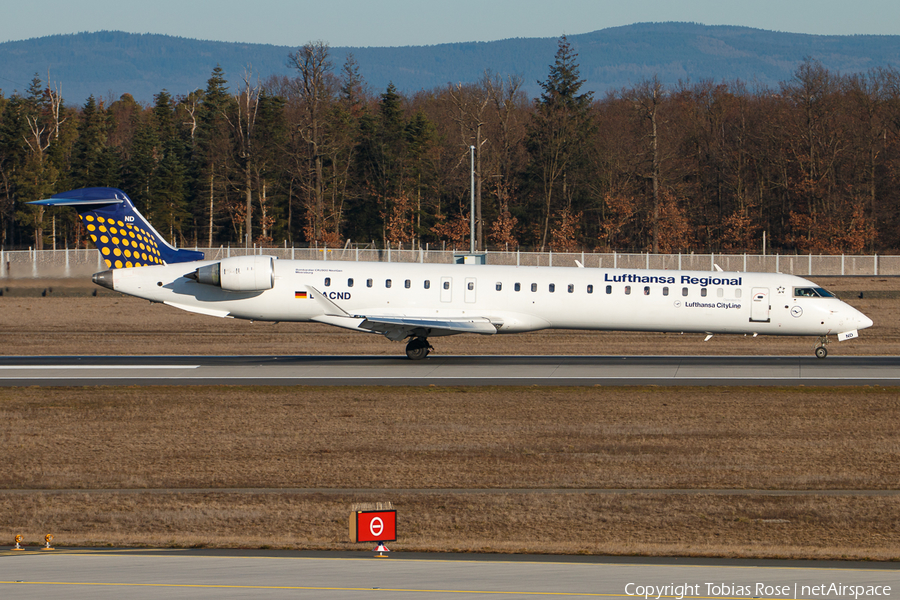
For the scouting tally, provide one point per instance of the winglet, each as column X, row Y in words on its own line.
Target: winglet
column 123, row 236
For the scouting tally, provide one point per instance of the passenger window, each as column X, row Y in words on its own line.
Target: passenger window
column 350, row 282
column 407, row 284
column 499, row 286
column 590, row 288
column 572, row 288
column 533, row 287
column 703, row 292
column 446, row 285
column 517, row 287
column 552, row 287
column 327, row 281
column 665, row 291
column 427, row 284
column 369, row 283
column 684, row 291
column 646, row 290
column 737, row 293
column 627, row 290
column 387, row 283
column 609, row 289
column 720, row 292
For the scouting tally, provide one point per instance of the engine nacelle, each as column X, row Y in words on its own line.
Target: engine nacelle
column 238, row 274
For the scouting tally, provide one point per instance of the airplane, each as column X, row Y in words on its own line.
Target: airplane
column 416, row 302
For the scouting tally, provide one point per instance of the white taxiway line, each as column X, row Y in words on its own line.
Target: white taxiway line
column 466, row 378
column 91, row 367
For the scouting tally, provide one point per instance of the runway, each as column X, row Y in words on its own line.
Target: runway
column 449, row 370
column 177, row 573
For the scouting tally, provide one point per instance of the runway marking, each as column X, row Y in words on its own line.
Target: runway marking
column 366, row 589
column 339, row 589
column 451, row 377
column 165, row 553
column 91, row 367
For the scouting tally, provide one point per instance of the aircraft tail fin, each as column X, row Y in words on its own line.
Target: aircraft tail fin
column 121, row 234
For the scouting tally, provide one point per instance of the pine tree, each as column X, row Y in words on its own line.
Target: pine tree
column 94, row 163
column 558, row 134
column 211, row 152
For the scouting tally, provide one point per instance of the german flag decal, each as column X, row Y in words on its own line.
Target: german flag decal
column 300, row 295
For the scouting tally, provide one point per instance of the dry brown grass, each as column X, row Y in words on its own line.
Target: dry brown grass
column 639, row 524
column 596, row 437
column 458, row 437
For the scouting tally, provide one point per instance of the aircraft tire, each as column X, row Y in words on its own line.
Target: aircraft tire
column 417, row 348
column 821, row 352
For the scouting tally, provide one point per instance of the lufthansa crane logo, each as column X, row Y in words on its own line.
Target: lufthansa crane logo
column 796, row 311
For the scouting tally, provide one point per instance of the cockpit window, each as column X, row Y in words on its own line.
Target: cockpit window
column 816, row 292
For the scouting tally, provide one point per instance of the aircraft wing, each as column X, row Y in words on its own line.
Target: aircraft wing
column 401, row 327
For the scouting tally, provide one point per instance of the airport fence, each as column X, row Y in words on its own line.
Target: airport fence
column 53, row 264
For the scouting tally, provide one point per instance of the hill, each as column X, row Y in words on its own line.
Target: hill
column 108, row 63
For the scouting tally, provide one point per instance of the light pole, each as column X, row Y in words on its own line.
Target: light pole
column 472, row 198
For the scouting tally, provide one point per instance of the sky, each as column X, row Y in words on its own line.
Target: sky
column 412, row 23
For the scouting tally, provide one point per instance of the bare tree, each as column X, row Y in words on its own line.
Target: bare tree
column 243, row 126
column 316, row 93
column 470, row 103
column 647, row 98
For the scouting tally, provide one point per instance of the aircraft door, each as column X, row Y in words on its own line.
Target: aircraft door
column 470, row 289
column 759, row 306
column 446, row 289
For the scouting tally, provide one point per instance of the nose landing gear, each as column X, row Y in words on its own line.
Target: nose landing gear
column 418, row 348
column 821, row 351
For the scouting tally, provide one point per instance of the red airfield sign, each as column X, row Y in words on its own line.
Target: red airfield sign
column 373, row 526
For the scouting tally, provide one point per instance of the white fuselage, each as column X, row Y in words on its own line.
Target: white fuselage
column 512, row 299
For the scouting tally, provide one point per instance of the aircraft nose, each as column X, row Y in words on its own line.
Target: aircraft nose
column 864, row 321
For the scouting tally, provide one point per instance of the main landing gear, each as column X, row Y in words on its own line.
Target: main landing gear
column 821, row 351
column 418, row 348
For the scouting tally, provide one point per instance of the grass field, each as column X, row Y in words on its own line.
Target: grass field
column 417, row 442
column 169, row 459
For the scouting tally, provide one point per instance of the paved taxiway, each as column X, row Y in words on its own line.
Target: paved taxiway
column 449, row 370
column 172, row 573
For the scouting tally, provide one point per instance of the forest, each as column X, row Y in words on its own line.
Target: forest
column 317, row 158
